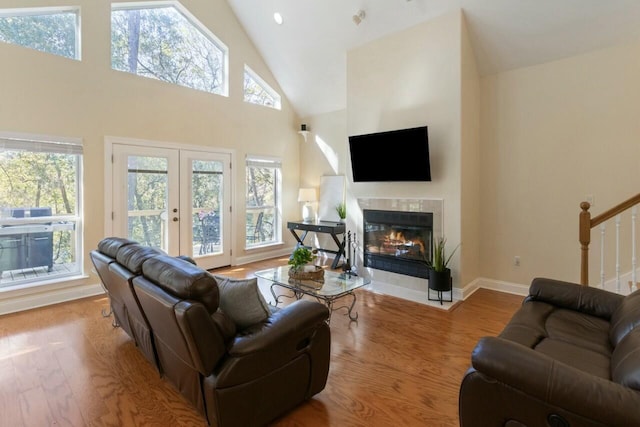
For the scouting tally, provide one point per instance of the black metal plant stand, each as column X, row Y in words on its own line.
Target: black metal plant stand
column 440, row 293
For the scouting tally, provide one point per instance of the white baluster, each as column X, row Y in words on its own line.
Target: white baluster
column 603, row 228
column 618, row 253
column 634, row 212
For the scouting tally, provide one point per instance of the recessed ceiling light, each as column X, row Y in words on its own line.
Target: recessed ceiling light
column 278, row 18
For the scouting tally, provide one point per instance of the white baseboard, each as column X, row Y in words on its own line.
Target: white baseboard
column 48, row 296
column 494, row 285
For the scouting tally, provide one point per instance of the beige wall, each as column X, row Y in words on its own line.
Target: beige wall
column 412, row 78
column 552, row 134
column 46, row 94
column 470, row 161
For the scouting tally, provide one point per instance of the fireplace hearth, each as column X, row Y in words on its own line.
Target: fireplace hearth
column 398, row 241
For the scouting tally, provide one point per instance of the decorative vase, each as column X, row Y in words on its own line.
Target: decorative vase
column 440, row 280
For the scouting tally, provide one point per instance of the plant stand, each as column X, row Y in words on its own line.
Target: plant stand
column 441, row 283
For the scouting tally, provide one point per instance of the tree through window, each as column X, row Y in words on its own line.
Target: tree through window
column 257, row 91
column 51, row 30
column 162, row 40
column 263, row 201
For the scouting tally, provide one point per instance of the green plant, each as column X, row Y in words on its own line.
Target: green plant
column 440, row 261
column 300, row 257
column 341, row 208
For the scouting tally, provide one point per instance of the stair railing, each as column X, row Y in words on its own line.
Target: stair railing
column 587, row 223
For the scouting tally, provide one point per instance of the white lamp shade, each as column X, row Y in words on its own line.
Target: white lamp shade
column 307, row 195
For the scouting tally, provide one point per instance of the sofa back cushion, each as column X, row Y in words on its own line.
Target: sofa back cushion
column 625, row 318
column 111, row 245
column 625, row 361
column 133, row 256
column 183, row 280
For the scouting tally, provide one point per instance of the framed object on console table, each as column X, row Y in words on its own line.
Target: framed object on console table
column 331, row 195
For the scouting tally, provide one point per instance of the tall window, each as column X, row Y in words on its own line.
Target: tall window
column 162, row 40
column 257, row 91
column 51, row 30
column 40, row 205
column 263, row 201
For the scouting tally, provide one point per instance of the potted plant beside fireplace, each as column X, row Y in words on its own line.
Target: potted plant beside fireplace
column 439, row 271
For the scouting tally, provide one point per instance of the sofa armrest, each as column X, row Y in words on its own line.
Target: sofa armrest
column 556, row 383
column 592, row 301
column 289, row 322
column 286, row 335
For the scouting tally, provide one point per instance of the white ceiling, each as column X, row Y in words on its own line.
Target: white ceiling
column 307, row 53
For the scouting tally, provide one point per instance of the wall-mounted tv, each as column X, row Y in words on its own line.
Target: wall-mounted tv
column 398, row 155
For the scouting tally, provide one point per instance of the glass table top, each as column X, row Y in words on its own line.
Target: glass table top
column 334, row 283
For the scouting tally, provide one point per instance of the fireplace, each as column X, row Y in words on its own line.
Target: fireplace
column 398, row 241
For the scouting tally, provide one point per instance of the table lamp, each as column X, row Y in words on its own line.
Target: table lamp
column 307, row 195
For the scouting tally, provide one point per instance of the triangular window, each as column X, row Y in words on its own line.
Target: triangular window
column 257, row 91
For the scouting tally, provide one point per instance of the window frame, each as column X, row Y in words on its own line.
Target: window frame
column 66, row 145
column 265, row 86
column 266, row 162
column 138, row 5
column 53, row 10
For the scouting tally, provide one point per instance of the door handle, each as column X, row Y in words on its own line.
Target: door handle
column 175, row 219
column 175, row 210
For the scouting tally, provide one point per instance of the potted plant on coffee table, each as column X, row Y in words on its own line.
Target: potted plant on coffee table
column 301, row 265
column 439, row 271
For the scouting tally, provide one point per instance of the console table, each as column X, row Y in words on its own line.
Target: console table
column 328, row 227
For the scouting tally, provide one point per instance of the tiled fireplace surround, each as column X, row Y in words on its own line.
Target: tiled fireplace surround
column 407, row 287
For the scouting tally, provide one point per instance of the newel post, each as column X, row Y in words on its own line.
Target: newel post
column 585, row 239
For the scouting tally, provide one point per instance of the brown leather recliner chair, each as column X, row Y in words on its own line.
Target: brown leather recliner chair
column 570, row 356
column 118, row 261
column 236, row 378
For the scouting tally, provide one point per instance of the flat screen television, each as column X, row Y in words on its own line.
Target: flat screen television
column 398, row 155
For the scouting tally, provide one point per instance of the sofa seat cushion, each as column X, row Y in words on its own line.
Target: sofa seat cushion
column 576, row 356
column 570, row 337
column 580, row 330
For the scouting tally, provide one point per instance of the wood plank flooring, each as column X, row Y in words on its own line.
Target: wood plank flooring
column 400, row 364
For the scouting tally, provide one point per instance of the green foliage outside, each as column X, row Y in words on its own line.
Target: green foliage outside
column 53, row 33
column 31, row 179
column 255, row 93
column 261, row 197
column 162, row 44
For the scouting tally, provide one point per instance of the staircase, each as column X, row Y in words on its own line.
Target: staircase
column 623, row 217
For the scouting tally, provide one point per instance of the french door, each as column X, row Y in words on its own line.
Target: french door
column 173, row 199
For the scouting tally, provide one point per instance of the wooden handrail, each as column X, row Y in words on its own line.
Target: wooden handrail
column 587, row 223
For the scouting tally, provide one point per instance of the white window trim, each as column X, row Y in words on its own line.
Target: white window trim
column 76, row 145
column 195, row 21
column 267, row 161
column 36, row 11
column 271, row 91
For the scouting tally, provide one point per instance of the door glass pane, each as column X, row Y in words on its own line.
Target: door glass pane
column 147, row 200
column 207, row 209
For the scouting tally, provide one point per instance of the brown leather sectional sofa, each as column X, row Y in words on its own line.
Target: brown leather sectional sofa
column 234, row 377
column 570, row 356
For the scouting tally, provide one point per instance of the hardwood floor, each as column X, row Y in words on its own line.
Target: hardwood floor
column 400, row 364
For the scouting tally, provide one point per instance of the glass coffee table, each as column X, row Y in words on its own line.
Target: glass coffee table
column 335, row 286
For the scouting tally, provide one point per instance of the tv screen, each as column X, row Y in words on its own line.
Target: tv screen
column 398, row 155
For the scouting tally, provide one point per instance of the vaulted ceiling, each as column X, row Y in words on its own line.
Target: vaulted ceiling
column 307, row 53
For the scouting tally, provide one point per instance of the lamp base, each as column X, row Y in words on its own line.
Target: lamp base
column 307, row 212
